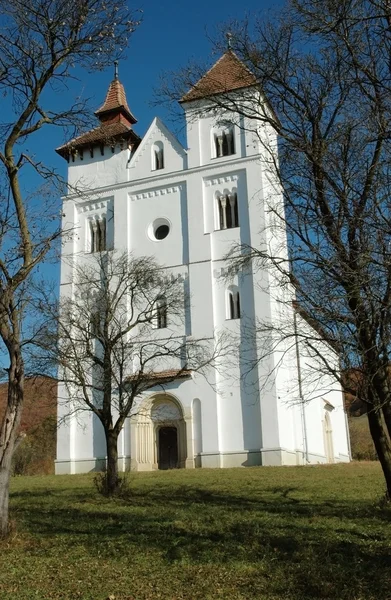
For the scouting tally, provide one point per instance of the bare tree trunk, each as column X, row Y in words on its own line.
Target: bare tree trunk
column 387, row 417
column 112, row 462
column 8, row 433
column 382, row 444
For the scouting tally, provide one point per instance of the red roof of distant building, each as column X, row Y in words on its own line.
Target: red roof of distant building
column 227, row 74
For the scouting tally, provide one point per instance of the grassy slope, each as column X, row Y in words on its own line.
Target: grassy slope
column 260, row 533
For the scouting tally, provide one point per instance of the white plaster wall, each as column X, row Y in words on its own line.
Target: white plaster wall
column 319, row 388
column 65, row 432
column 200, row 283
column 199, row 240
column 122, row 219
column 154, row 203
column 97, row 172
column 72, row 230
column 142, row 163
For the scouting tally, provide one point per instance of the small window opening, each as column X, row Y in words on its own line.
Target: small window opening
column 162, row 232
column 233, row 305
column 228, row 211
column 161, row 313
column 159, row 159
column 157, row 156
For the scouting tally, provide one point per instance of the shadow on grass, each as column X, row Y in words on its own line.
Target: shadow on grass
column 314, row 548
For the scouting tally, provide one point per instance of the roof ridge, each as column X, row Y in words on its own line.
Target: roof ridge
column 235, row 74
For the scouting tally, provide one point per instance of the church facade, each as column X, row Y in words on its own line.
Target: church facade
column 187, row 207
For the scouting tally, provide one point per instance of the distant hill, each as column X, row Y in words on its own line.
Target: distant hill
column 40, row 401
column 37, row 451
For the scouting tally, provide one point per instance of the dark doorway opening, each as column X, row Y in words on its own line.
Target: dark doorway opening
column 168, row 448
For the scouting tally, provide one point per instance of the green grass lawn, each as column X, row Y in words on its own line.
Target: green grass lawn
column 259, row 533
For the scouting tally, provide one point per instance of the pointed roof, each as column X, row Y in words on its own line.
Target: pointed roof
column 115, row 104
column 157, row 124
column 116, row 122
column 227, row 74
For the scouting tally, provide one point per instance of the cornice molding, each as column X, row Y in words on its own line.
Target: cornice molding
column 93, row 205
column 163, row 191
column 177, row 175
column 221, row 180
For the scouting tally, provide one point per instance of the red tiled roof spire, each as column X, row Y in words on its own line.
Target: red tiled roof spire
column 115, row 108
column 115, row 126
column 227, row 74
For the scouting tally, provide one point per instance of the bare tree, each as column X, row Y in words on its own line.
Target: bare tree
column 120, row 334
column 40, row 43
column 323, row 73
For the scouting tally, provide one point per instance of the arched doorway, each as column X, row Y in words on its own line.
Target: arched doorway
column 159, row 435
column 167, row 448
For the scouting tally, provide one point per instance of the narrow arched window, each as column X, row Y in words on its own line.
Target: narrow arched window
column 233, row 210
column 161, row 312
column 222, row 203
column 223, row 140
column 92, row 235
column 157, row 156
column 98, row 234
column 229, row 141
column 219, row 143
column 102, row 234
column 233, row 303
column 228, row 213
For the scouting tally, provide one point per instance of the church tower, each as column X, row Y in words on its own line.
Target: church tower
column 187, row 207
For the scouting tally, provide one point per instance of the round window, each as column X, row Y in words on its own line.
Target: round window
column 162, row 232
column 159, row 229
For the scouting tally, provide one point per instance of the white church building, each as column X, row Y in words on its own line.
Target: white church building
column 186, row 207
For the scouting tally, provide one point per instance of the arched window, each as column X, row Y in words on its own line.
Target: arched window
column 233, row 304
column 98, row 234
column 92, row 235
column 161, row 312
column 157, row 156
column 223, row 140
column 227, row 205
column 102, row 231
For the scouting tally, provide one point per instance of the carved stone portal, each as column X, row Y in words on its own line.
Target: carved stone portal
column 158, row 436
